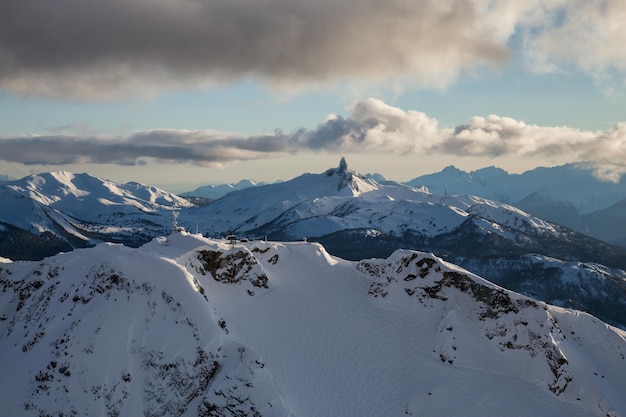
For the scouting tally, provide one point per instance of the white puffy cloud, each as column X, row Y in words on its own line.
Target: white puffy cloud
column 375, row 126
column 495, row 136
column 581, row 33
column 502, row 136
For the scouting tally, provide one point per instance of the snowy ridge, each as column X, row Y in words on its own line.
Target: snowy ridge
column 189, row 326
column 357, row 218
column 315, row 205
column 571, row 195
column 311, row 205
column 575, row 184
column 82, row 210
column 257, row 206
column 81, row 195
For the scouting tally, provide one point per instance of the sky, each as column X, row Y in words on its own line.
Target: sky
column 177, row 93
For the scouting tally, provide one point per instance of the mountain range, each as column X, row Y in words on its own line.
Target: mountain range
column 571, row 195
column 355, row 217
column 352, row 215
column 190, row 326
column 217, row 191
column 43, row 214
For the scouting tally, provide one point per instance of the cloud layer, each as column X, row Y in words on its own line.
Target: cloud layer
column 96, row 49
column 104, row 49
column 371, row 126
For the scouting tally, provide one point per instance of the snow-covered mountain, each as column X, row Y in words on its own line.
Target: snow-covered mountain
column 216, row 191
column 607, row 224
column 245, row 210
column 187, row 326
column 570, row 195
column 314, row 205
column 352, row 215
column 78, row 210
column 575, row 184
column 355, row 217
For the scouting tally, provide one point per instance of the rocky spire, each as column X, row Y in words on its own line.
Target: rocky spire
column 345, row 176
column 343, row 166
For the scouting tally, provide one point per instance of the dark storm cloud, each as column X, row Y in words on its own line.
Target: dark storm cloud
column 103, row 49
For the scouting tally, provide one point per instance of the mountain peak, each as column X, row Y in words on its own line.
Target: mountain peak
column 343, row 166
column 490, row 171
column 451, row 169
column 340, row 170
column 346, row 178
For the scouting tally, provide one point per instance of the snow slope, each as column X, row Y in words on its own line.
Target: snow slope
column 84, row 210
column 259, row 205
column 314, row 205
column 188, row 326
column 356, row 217
column 85, row 197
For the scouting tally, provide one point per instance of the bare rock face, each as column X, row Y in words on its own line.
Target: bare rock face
column 233, row 267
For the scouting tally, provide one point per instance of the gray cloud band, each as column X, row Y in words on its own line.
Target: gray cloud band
column 103, row 49
column 166, row 146
column 372, row 125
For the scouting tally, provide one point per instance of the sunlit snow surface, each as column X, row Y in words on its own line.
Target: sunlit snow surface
column 85, row 209
column 189, row 326
column 314, row 205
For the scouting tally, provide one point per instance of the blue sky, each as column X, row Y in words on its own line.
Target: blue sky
column 181, row 92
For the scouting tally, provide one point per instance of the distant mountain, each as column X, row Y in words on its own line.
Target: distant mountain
column 567, row 195
column 217, row 191
column 376, row 177
column 186, row 326
column 573, row 184
column 214, row 192
column 488, row 183
column 64, row 210
column 355, row 217
column 609, row 223
column 546, row 206
column 246, row 210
